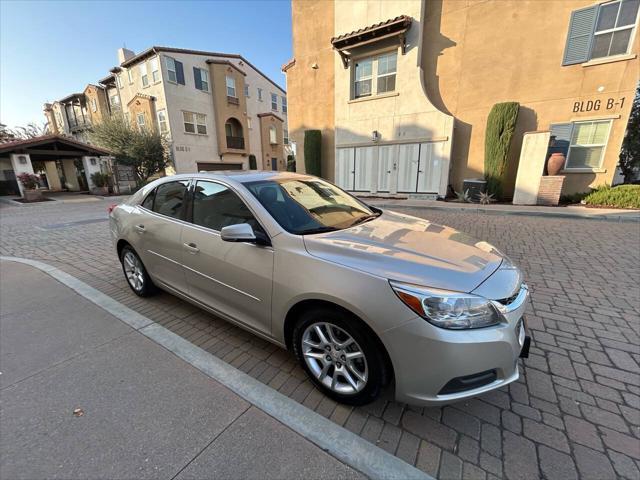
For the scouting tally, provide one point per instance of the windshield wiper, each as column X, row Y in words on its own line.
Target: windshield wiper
column 364, row 218
column 323, row 229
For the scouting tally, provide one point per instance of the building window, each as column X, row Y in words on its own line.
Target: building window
column 195, row 123
column 600, row 31
column 201, row 78
column 231, row 86
column 285, row 133
column 130, row 76
column 583, row 143
column 118, row 81
column 140, row 120
column 233, row 131
column 274, row 102
column 155, row 71
column 115, row 100
column 284, row 104
column 94, row 105
column 387, row 72
column 162, row 121
column 246, row 90
column 362, row 78
column 273, row 135
column 614, row 28
column 143, row 74
column 260, row 94
column 375, row 75
column 171, row 69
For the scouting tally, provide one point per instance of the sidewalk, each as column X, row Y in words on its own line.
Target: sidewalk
column 143, row 412
column 573, row 211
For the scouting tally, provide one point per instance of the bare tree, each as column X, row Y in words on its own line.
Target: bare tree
column 31, row 130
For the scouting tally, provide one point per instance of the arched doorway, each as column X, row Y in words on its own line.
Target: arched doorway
column 233, row 131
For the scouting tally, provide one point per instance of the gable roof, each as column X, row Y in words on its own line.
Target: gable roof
column 19, row 145
column 157, row 49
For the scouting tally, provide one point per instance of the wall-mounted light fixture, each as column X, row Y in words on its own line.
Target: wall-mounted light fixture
column 22, row 159
column 375, row 136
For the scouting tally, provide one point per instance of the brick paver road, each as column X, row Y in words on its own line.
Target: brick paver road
column 574, row 413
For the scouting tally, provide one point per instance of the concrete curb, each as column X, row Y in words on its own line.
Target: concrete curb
column 337, row 441
column 526, row 213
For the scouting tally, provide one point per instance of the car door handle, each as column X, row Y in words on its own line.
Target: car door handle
column 139, row 228
column 192, row 247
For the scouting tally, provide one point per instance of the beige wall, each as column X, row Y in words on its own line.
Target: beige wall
column 311, row 90
column 146, row 106
column 92, row 92
column 471, row 64
column 225, row 108
column 271, row 151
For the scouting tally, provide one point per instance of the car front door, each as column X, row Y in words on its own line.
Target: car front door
column 159, row 227
column 233, row 278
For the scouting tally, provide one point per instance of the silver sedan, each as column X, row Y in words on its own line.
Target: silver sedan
column 363, row 297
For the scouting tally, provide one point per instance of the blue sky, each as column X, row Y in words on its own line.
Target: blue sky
column 49, row 49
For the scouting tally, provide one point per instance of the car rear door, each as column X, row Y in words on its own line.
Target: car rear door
column 233, row 278
column 160, row 232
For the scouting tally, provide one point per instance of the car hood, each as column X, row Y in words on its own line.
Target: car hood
column 409, row 249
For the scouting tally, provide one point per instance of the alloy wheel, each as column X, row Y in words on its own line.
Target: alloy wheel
column 334, row 358
column 134, row 271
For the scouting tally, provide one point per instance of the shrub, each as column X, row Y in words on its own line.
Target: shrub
column 291, row 163
column 622, row 196
column 253, row 165
column 312, row 151
column 501, row 124
column 28, row 180
column 573, row 197
column 100, row 179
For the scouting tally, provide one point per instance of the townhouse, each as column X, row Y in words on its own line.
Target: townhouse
column 217, row 110
column 401, row 89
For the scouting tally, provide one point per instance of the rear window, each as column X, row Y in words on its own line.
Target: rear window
column 169, row 198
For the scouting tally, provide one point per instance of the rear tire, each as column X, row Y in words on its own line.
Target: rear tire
column 340, row 356
column 135, row 273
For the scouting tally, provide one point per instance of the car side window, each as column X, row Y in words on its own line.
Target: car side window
column 170, row 197
column 148, row 201
column 216, row 206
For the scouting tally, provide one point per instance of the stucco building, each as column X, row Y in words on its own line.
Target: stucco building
column 401, row 89
column 216, row 110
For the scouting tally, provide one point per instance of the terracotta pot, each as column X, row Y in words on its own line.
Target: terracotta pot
column 555, row 163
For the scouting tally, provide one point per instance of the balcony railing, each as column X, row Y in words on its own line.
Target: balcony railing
column 235, row 142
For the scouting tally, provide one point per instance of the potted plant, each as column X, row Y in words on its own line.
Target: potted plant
column 30, row 183
column 100, row 182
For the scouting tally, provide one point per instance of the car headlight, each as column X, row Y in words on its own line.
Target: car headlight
column 445, row 309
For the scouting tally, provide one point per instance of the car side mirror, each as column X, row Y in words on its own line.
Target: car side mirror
column 241, row 232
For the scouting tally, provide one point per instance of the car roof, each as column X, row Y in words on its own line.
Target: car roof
column 240, row 176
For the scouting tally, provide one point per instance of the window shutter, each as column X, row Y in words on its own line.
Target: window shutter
column 581, row 28
column 562, row 134
column 197, row 78
column 179, row 72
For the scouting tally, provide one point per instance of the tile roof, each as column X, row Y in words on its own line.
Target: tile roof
column 400, row 20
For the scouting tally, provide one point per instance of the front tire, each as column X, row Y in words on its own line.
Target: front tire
column 340, row 356
column 135, row 273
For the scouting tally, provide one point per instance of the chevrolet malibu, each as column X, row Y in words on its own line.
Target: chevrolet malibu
column 363, row 297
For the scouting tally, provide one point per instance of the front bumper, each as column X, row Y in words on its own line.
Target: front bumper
column 427, row 360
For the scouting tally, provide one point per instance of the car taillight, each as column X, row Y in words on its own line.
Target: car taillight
column 111, row 207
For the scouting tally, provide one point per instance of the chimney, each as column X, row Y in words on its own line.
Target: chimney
column 124, row 55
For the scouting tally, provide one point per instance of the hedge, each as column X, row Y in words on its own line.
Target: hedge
column 312, row 151
column 501, row 124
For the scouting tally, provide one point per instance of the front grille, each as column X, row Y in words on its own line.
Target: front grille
column 462, row 384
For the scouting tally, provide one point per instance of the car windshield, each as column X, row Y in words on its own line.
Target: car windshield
column 308, row 205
